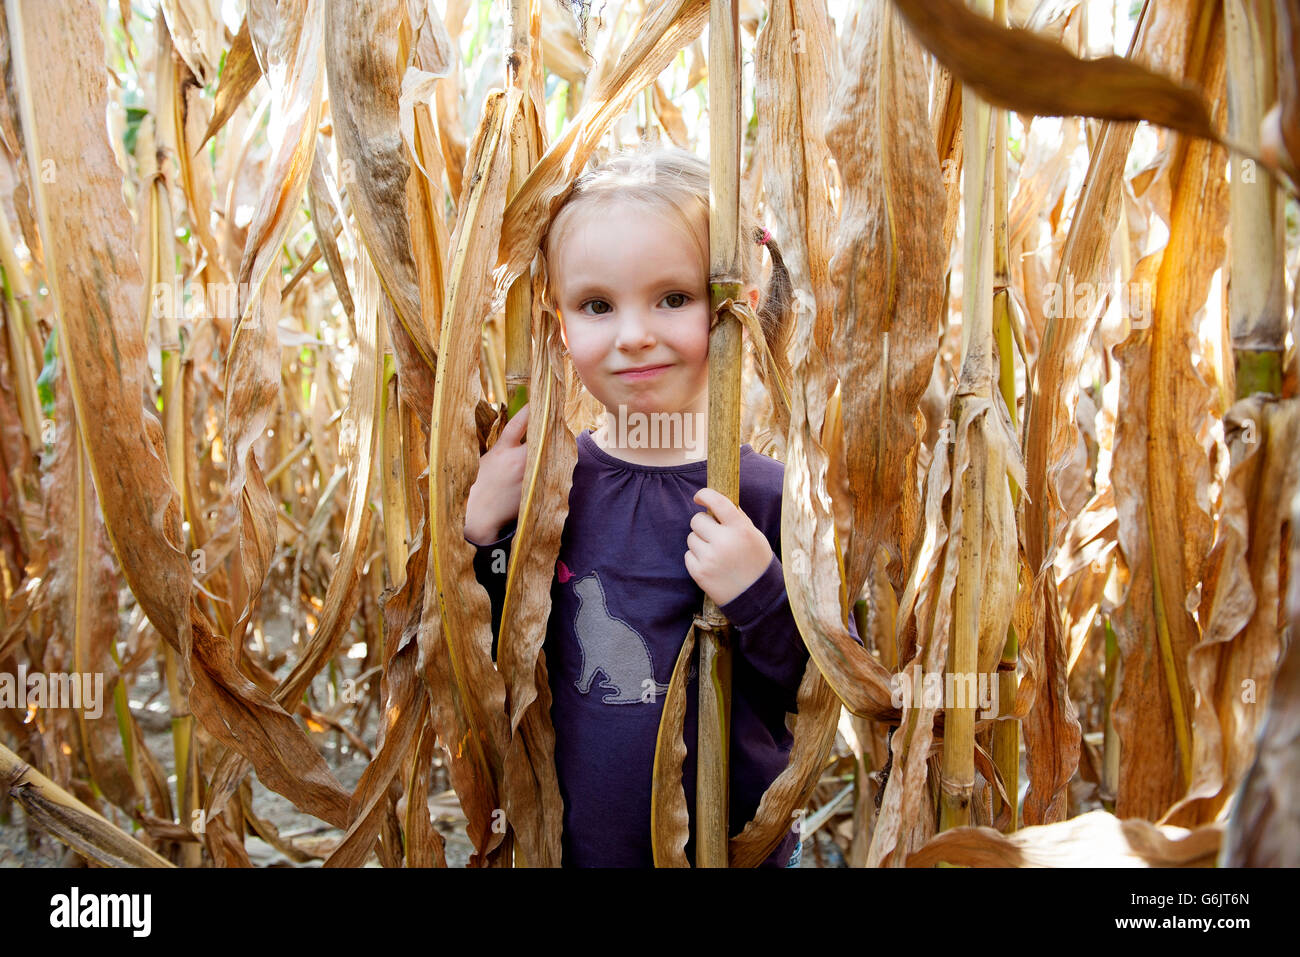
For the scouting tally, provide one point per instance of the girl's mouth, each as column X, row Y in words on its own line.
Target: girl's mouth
column 644, row 373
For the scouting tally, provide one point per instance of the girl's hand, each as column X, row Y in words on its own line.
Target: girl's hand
column 727, row 553
column 494, row 496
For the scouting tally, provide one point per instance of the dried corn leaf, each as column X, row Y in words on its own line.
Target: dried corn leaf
column 404, row 722
column 253, row 370
column 1240, row 645
column 357, row 446
column 561, row 51
column 425, row 847
column 1082, row 569
column 1161, row 476
column 1233, row 665
column 1050, row 430
column 1042, row 179
column 927, row 598
column 238, row 77
column 188, row 111
column 669, row 817
column 329, row 221
column 424, row 192
column 83, row 583
column 814, row 566
column 455, row 628
column 888, row 269
column 405, row 713
column 199, row 34
column 670, row 117
column 405, row 692
column 95, row 283
column 945, row 122
column 1050, row 722
column 72, row 822
column 1262, row 830
column 1051, row 730
column 365, row 84
column 1095, row 839
column 999, row 557
column 534, row 806
column 814, row 734
column 451, row 133
column 1020, row 70
column 661, row 35
column 1052, row 434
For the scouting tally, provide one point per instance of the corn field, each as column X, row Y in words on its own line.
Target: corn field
column 269, row 291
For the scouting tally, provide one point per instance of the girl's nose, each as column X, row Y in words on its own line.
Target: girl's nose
column 634, row 331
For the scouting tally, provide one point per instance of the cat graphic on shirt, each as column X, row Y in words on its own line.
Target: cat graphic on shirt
column 610, row 646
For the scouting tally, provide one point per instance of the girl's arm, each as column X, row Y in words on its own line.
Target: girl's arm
column 493, row 501
column 492, row 510
column 766, row 634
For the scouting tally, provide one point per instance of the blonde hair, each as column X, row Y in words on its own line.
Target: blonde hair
column 674, row 182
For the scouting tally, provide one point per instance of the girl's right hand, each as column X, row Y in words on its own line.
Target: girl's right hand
column 494, row 496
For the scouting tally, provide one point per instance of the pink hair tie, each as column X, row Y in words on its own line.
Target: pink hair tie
column 766, row 236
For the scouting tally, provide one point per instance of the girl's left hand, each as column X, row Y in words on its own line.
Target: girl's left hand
column 727, row 552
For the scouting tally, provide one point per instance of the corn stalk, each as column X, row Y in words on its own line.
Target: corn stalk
column 162, row 276
column 725, row 289
column 1257, row 285
column 525, row 148
column 974, row 388
column 1006, row 733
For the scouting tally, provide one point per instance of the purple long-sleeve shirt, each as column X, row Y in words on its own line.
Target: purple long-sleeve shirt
column 621, row 604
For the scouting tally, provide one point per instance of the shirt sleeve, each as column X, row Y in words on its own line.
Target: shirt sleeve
column 766, row 634
column 490, row 563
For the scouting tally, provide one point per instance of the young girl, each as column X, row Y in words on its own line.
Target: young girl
column 626, row 265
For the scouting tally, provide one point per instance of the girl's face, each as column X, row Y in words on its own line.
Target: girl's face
column 632, row 297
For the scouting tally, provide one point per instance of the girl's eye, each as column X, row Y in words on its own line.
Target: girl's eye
column 593, row 303
column 684, row 299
